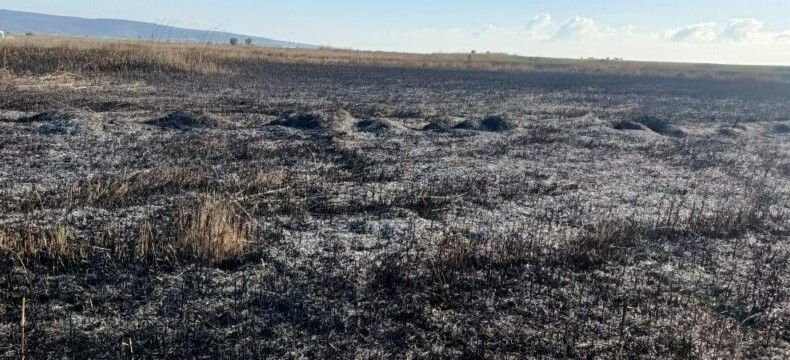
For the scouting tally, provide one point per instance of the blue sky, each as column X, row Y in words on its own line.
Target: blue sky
column 735, row 31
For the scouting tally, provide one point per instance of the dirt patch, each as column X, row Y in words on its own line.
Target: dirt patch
column 185, row 120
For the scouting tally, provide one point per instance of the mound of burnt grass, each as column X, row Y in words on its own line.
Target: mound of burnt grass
column 495, row 123
column 439, row 124
column 659, row 126
column 627, row 125
column 337, row 120
column 185, row 120
column 374, row 125
column 467, row 125
column 782, row 128
column 302, row 121
column 50, row 123
column 45, row 117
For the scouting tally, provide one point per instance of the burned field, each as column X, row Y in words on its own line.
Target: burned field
column 289, row 210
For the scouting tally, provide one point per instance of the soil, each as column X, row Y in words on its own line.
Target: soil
column 543, row 232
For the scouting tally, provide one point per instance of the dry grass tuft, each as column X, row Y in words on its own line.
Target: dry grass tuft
column 122, row 188
column 215, row 232
column 40, row 243
column 759, row 211
column 49, row 55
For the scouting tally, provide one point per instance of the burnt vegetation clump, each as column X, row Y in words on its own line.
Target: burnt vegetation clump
column 659, row 126
column 185, row 120
column 781, row 128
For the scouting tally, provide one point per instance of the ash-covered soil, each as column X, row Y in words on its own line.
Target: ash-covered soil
column 394, row 213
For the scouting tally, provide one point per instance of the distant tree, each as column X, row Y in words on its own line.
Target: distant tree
column 234, row 41
column 29, row 34
column 248, row 41
column 469, row 57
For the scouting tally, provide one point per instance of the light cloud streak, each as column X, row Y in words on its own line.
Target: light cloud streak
column 740, row 40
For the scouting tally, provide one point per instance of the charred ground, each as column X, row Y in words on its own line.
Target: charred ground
column 292, row 210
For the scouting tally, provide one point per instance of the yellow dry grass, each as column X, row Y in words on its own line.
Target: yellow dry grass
column 47, row 55
column 32, row 241
column 214, row 232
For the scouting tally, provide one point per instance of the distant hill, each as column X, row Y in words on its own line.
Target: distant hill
column 23, row 22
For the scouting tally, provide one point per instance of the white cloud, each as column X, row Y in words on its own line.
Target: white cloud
column 577, row 28
column 702, row 32
column 540, row 27
column 742, row 29
column 628, row 31
column 485, row 30
column 745, row 41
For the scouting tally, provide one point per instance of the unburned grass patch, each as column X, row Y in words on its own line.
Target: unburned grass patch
column 215, row 231
column 127, row 188
column 45, row 244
